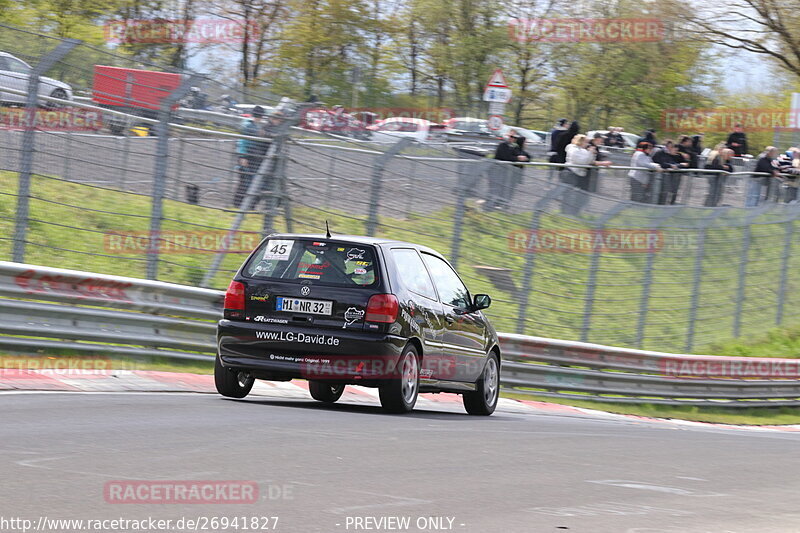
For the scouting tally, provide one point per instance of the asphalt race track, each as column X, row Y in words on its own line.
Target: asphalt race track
column 319, row 468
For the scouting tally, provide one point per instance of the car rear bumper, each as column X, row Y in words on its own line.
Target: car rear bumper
column 297, row 352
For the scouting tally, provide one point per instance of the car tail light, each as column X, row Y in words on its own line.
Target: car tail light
column 382, row 308
column 234, row 300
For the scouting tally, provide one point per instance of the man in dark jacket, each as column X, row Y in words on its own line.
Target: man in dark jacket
column 564, row 139
column 561, row 127
column 669, row 159
column 504, row 178
column 251, row 152
column 737, row 141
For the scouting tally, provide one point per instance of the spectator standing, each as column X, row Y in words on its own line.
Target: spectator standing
column 564, row 140
column 788, row 165
column 720, row 159
column 737, row 141
column 614, row 138
column 601, row 160
column 649, row 136
column 250, row 152
column 578, row 152
column 671, row 160
column 767, row 166
column 504, row 177
column 640, row 177
column 555, row 133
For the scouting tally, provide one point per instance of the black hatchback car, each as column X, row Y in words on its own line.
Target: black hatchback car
column 356, row 310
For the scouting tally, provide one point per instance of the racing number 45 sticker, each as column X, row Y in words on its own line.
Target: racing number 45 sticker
column 278, row 249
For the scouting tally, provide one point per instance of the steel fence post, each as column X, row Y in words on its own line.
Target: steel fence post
column 377, row 182
column 125, row 155
column 276, row 189
column 160, row 172
column 591, row 283
column 329, row 181
column 787, row 252
column 644, row 300
column 67, row 152
column 27, row 148
column 742, row 278
column 464, row 184
column 530, row 261
column 410, row 187
column 697, row 274
column 269, row 165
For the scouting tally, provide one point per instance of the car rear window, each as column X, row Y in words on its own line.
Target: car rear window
column 328, row 262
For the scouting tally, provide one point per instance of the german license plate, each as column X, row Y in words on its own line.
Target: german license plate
column 302, row 305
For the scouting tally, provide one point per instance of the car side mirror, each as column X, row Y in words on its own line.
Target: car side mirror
column 481, row 301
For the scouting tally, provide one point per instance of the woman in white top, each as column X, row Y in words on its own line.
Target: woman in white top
column 640, row 178
column 579, row 152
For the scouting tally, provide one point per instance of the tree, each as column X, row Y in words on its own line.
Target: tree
column 765, row 27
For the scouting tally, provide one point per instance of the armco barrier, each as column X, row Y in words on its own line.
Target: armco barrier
column 51, row 308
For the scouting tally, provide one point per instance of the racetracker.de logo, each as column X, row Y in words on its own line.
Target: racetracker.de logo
column 180, row 492
column 180, row 242
column 724, row 120
column 169, row 31
column 585, row 241
column 585, row 30
column 50, row 120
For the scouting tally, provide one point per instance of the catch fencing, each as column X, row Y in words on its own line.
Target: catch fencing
column 561, row 263
column 57, row 309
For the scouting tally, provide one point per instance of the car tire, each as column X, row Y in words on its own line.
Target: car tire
column 231, row 382
column 398, row 395
column 483, row 401
column 325, row 392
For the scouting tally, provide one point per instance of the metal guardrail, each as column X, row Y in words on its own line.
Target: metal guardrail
column 51, row 308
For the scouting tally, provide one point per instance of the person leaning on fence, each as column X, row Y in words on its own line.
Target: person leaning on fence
column 669, row 159
column 250, row 153
column 504, row 178
column 641, row 178
column 720, row 160
column 759, row 185
column 578, row 152
column 789, row 167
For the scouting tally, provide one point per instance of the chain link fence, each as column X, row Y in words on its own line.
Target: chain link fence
column 559, row 262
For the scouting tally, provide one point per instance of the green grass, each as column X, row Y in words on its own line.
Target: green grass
column 777, row 342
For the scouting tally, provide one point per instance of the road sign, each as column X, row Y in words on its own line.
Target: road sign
column 497, row 94
column 497, row 79
column 495, row 122
column 497, row 108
